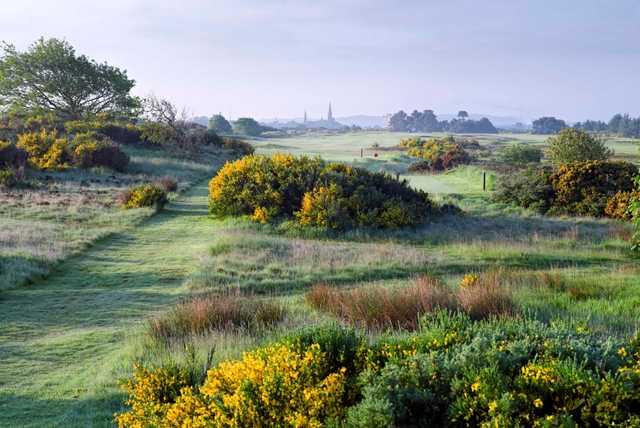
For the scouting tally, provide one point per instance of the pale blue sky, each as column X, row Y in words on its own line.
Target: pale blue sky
column 575, row 59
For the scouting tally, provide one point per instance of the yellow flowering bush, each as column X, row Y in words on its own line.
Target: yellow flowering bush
column 315, row 193
column 272, row 386
column 45, row 149
column 452, row 372
column 151, row 394
column 436, row 154
column 89, row 150
column 145, row 195
column 618, row 206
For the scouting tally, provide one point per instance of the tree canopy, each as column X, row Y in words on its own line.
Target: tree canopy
column 574, row 145
column 548, row 125
column 220, row 125
column 248, row 126
column 427, row 121
column 51, row 77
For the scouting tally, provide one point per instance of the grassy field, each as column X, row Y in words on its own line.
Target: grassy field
column 67, row 339
column 61, row 213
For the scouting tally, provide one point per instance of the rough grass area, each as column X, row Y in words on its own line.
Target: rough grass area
column 59, row 214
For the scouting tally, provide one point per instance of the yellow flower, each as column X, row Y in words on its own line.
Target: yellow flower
column 469, row 280
column 475, row 386
column 537, row 403
column 622, row 352
column 493, row 406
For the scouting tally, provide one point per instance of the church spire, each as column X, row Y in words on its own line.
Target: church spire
column 330, row 114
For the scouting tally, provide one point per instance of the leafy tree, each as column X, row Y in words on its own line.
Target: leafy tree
column 574, row 145
column 248, row 126
column 220, row 125
column 548, row 125
column 462, row 115
column 520, row 154
column 591, row 126
column 50, row 77
column 483, row 125
column 398, row 122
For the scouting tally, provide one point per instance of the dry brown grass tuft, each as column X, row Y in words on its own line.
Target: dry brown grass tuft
column 379, row 307
column 490, row 296
column 168, row 183
column 205, row 314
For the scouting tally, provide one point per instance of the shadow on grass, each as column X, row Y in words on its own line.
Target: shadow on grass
column 28, row 411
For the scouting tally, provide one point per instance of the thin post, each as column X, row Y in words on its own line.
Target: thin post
column 484, row 181
column 361, row 152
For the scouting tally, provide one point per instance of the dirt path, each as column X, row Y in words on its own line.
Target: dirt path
column 62, row 341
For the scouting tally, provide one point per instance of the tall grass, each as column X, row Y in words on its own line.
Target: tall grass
column 379, row 307
column 204, row 314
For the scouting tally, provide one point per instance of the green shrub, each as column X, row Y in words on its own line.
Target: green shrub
column 315, row 193
column 241, row 147
column 8, row 178
column 529, row 188
column 90, row 151
column 520, row 154
column 157, row 133
column 580, row 188
column 634, row 209
column 574, row 145
column 145, row 195
column 11, row 156
column 121, row 132
column 452, row 372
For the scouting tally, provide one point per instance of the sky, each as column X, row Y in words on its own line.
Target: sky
column 574, row 59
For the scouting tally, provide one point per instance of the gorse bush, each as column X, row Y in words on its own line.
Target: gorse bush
column 144, row 195
column 45, row 149
column 89, row 150
column 619, row 205
column 11, row 156
column 273, row 386
column 574, row 145
column 581, row 188
column 520, row 154
column 451, row 372
column 436, row 154
column 584, row 188
column 315, row 193
column 121, row 132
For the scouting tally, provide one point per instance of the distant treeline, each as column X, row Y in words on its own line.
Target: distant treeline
column 427, row 121
column 622, row 125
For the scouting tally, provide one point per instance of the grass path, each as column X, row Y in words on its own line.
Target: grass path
column 62, row 340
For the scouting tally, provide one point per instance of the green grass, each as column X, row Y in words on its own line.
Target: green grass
column 67, row 339
column 61, row 213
